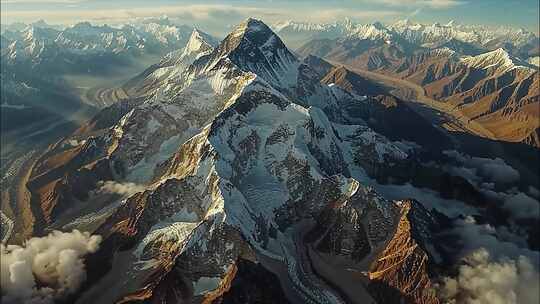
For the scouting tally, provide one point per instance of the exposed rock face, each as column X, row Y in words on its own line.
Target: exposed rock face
column 401, row 271
column 319, row 65
column 244, row 157
column 493, row 89
column 351, row 82
column 533, row 139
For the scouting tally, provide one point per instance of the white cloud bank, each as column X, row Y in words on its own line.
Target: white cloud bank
column 46, row 268
column 479, row 169
column 483, row 281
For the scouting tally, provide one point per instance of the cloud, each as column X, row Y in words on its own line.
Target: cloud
column 534, row 192
column 495, row 266
column 522, row 206
column 488, row 175
column 126, row 189
column 483, row 281
column 330, row 15
column 427, row 197
column 47, row 268
column 486, row 169
column 500, row 241
column 436, row 4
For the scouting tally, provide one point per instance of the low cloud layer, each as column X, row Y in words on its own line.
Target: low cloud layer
column 429, row 198
column 492, row 175
column 487, row 170
column 47, row 268
column 522, row 206
column 500, row 241
column 126, row 189
column 481, row 280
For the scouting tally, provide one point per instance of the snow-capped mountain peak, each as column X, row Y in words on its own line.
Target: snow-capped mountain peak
column 199, row 42
column 498, row 60
column 174, row 63
column 254, row 47
column 253, row 30
column 373, row 31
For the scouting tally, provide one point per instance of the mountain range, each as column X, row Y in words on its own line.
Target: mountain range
column 85, row 46
column 239, row 171
column 472, row 39
column 455, row 65
column 246, row 159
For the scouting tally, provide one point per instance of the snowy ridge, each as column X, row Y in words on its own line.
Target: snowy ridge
column 374, row 31
column 199, row 44
column 37, row 43
column 421, row 35
column 229, row 150
column 498, row 60
column 253, row 47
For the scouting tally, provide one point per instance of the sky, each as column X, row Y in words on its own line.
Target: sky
column 223, row 14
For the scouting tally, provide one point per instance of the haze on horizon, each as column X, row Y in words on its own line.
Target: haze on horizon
column 217, row 17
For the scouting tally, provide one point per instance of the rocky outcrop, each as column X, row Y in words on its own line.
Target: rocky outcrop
column 533, row 139
column 400, row 273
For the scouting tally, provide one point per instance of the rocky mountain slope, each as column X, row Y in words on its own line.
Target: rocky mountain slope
column 172, row 64
column 492, row 88
column 243, row 160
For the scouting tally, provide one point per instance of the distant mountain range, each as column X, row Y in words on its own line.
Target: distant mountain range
column 487, row 74
column 84, row 46
column 37, row 60
column 409, row 36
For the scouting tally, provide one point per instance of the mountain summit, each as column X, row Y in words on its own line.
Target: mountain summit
column 245, row 162
column 254, row 47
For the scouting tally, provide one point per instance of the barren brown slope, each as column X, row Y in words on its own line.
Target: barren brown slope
column 490, row 95
column 457, row 121
column 352, row 82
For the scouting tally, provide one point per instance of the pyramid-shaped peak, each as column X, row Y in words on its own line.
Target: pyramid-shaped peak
column 253, row 47
column 252, row 26
column 253, row 32
column 199, row 43
column 254, row 23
